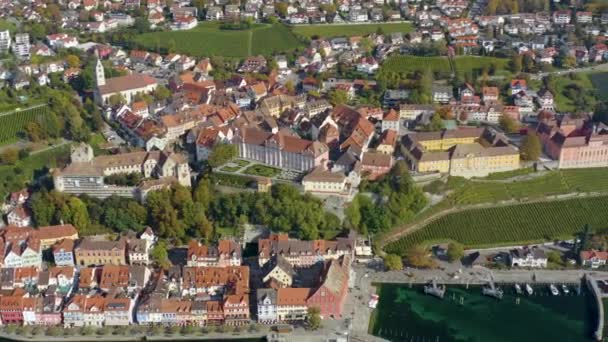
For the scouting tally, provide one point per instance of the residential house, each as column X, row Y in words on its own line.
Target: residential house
column 291, row 304
column 63, row 252
column 375, row 164
column 279, row 272
column 267, row 306
column 593, row 258
column 226, row 253
column 100, row 252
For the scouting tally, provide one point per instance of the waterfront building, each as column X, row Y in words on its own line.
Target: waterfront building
column 593, row 258
column 528, row 257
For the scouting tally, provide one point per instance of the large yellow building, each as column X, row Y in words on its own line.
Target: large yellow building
column 468, row 152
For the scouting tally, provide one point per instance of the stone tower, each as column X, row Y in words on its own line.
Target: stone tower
column 100, row 76
column 81, row 153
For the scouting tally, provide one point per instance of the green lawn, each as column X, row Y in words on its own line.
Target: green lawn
column 230, row 168
column 240, row 162
column 327, row 31
column 6, row 25
column 262, row 170
column 207, row 39
column 15, row 177
column 590, row 90
column 516, row 224
column 403, row 63
column 464, row 64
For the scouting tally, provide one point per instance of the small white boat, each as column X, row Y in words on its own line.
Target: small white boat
column 518, row 289
column 554, row 290
column 565, row 289
column 529, row 290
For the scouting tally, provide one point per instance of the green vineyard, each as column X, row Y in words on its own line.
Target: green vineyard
column 526, row 223
column 13, row 123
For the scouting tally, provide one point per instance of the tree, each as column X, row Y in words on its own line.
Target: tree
column 445, row 113
column 73, row 61
column 116, row 100
column 221, row 154
column 34, row 131
column 338, row 97
column 569, row 62
column 79, row 216
column 436, row 124
column 554, row 257
column 290, row 87
column 162, row 93
column 516, row 63
column 9, row 156
column 159, row 254
column 530, row 147
column 508, row 124
column 419, row 256
column 281, row 8
column 313, row 319
column 393, row 262
column 455, row 251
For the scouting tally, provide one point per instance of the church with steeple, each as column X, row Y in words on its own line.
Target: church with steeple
column 126, row 86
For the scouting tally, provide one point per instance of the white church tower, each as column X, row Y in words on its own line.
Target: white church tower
column 100, row 75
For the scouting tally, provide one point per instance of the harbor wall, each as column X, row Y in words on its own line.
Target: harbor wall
column 597, row 294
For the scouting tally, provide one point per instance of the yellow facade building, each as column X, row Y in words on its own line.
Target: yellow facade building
column 468, row 152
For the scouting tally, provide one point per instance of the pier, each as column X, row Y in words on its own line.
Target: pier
column 597, row 294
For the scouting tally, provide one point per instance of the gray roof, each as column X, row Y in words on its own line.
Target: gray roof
column 262, row 294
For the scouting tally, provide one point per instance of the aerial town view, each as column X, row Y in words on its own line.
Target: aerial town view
column 307, row 171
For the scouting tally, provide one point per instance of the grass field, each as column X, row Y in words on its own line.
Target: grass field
column 401, row 63
column 526, row 223
column 464, row 64
column 560, row 85
column 13, row 123
column 328, row 31
column 207, row 39
column 509, row 174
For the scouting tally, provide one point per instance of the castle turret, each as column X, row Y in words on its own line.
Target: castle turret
column 81, row 153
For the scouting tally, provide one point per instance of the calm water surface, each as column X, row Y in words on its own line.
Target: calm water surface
column 407, row 314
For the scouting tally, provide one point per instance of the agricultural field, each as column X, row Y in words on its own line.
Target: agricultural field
column 516, row 224
column 207, row 39
column 476, row 65
column 328, row 31
column 468, row 192
column 13, row 123
column 401, row 63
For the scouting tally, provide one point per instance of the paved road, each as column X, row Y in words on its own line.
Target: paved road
column 598, row 67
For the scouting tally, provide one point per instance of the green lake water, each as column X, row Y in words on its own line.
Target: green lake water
column 407, row 314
